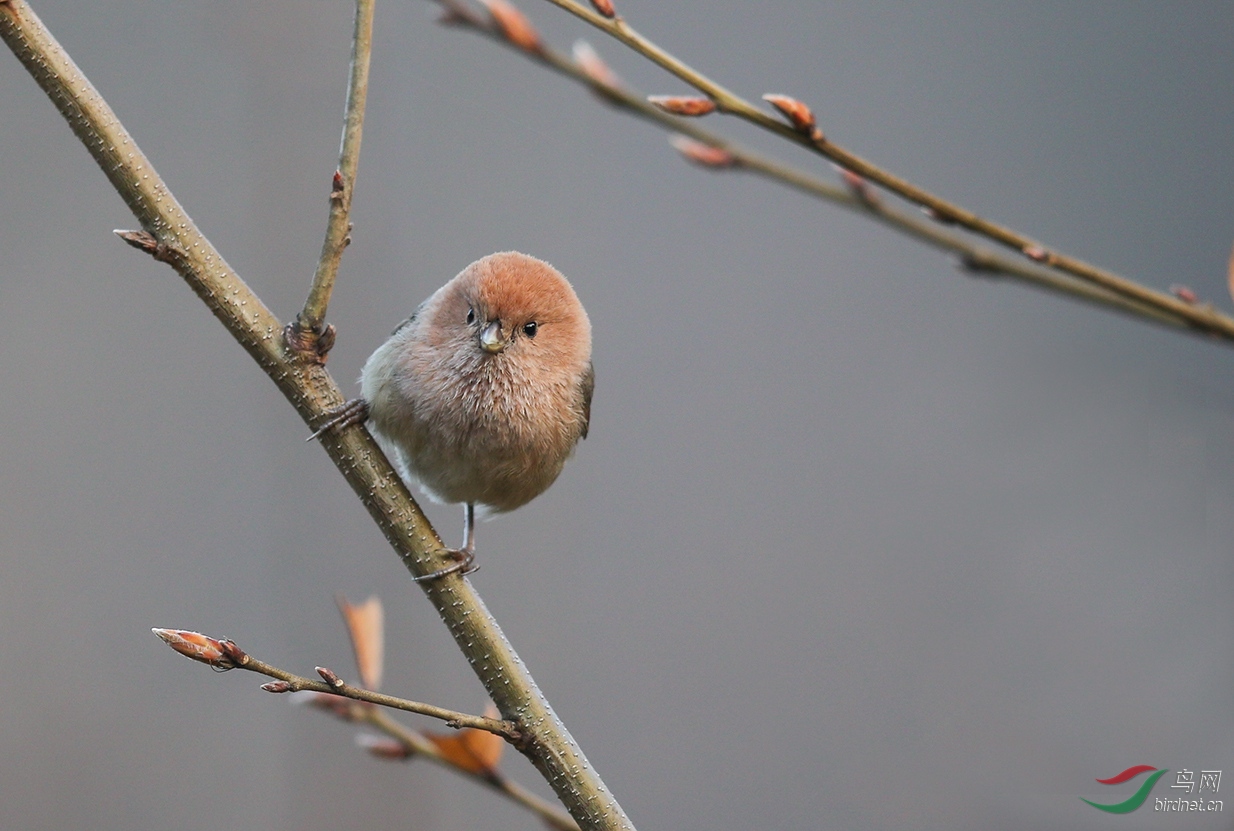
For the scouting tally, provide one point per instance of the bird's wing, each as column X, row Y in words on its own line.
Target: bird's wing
column 588, row 387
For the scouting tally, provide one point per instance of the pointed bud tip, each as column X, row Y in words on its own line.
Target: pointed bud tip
column 216, row 653
column 797, row 113
column 514, row 25
column 686, row 105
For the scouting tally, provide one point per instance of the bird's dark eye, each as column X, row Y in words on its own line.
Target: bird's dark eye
column 471, row 315
column 529, row 329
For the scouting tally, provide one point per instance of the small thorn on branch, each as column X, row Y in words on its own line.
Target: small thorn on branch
column 797, row 113
column 514, row 26
column 691, row 106
column 702, row 154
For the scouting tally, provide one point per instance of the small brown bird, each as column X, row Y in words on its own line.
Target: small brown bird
column 482, row 394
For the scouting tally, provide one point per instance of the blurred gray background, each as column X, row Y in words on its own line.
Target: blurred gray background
column 857, row 541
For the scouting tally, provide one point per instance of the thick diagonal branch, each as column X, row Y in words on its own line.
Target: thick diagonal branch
column 311, row 390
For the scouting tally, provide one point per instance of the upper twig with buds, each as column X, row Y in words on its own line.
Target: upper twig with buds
column 800, row 129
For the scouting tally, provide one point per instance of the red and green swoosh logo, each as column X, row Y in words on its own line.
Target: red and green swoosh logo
column 1137, row 799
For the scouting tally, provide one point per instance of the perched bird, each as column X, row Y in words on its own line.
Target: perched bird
column 481, row 395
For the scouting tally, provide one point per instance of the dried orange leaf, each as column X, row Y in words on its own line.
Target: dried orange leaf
column 683, row 104
column 514, row 25
column 365, row 624
column 472, row 750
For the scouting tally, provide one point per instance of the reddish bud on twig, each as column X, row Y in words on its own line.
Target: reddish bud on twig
column 702, row 154
column 859, row 186
column 277, row 687
column 1184, row 293
column 222, row 654
column 514, row 25
column 346, row 709
column 593, row 65
column 683, row 104
column 797, row 113
column 330, row 677
column 604, row 7
column 383, row 748
column 1038, row 254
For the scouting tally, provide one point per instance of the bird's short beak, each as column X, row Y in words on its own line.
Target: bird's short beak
column 492, row 340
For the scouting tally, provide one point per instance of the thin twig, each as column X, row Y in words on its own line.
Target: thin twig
column 338, row 227
column 586, row 69
column 225, row 654
column 313, row 392
column 418, row 744
column 1202, row 317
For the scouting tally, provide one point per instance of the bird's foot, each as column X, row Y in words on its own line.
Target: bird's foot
column 353, row 412
column 465, row 563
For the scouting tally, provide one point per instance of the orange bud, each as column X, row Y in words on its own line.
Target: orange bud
column 514, row 25
column 683, row 105
column 702, row 154
column 221, row 654
column 797, row 113
column 604, row 7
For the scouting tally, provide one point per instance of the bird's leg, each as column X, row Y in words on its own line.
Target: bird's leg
column 353, row 412
column 465, row 557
